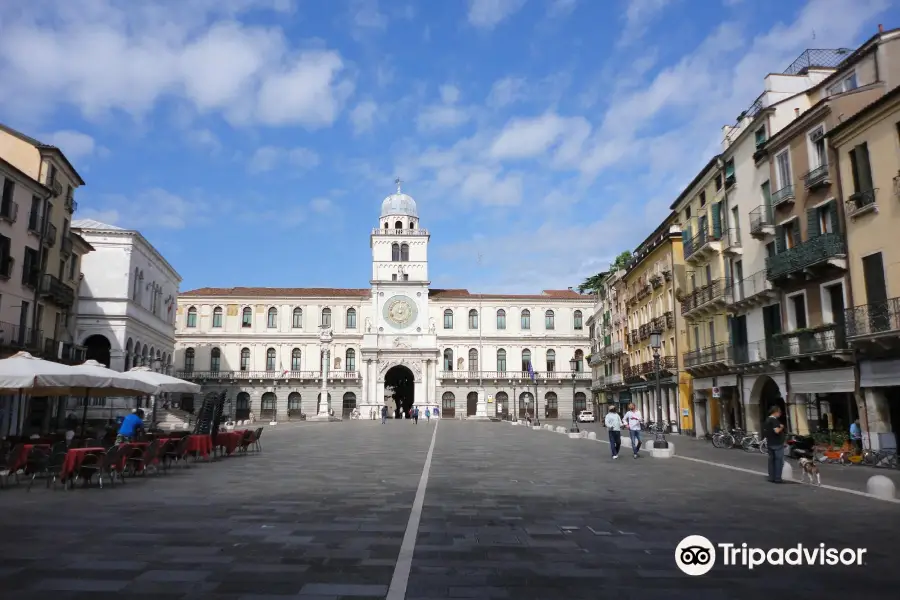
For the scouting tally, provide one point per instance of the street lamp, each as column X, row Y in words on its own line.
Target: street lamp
column 573, row 364
column 156, row 365
column 659, row 440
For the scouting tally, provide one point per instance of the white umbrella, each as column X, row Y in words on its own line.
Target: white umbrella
column 163, row 382
column 23, row 372
column 117, row 384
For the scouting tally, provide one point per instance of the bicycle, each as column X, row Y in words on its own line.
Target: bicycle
column 881, row 458
column 753, row 442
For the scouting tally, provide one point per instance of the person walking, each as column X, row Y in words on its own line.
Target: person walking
column 427, row 415
column 775, row 439
column 614, row 424
column 384, row 414
column 416, row 415
column 856, row 436
column 633, row 420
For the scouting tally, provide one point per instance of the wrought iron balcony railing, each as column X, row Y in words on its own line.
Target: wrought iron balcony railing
column 807, row 254
column 667, row 364
column 785, row 194
column 718, row 289
column 517, row 375
column 718, row 353
column 280, row 374
column 750, row 287
column 58, row 292
column 861, row 202
column 9, row 211
column 633, row 337
column 15, row 337
column 816, row 177
column 644, row 331
column 400, row 232
column 698, row 242
column 873, row 320
column 50, row 237
column 614, row 379
column 761, row 221
column 748, row 354
column 809, row 341
column 64, row 352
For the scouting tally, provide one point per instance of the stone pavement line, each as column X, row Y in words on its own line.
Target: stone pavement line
column 400, row 579
column 752, row 472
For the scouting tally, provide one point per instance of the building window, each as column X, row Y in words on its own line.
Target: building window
column 818, row 157
column 406, row 277
column 245, row 359
column 526, row 360
column 796, row 316
column 448, row 319
column 526, row 319
column 395, row 252
column 579, row 320
column 844, row 85
column 760, row 136
column 861, row 168
column 687, row 213
column 448, row 359
column 393, row 277
column 192, row 317
column 501, row 360
column 398, row 225
column 404, row 252
column 326, row 317
column 473, row 319
column 351, row 318
column 247, row 317
column 579, row 361
column 189, row 360
column 270, row 359
column 215, row 360
column 501, row 319
column 730, row 176
column 549, row 320
column 217, row 317
column 294, row 402
column 296, row 357
column 791, row 234
column 297, row 319
column 350, row 360
column 783, row 170
column 551, row 361
column 473, row 360
column 272, row 320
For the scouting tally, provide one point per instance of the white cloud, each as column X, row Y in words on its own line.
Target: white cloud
column 154, row 208
column 321, row 205
column 106, row 56
column 269, row 158
column 444, row 115
column 367, row 16
column 449, row 94
column 362, row 117
column 204, row 139
column 506, row 91
column 74, row 144
column 561, row 8
column 487, row 14
column 639, row 15
column 530, row 138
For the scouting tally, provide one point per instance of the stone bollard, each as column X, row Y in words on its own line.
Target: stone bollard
column 574, row 435
column 583, row 435
column 787, row 472
column 881, row 487
column 548, row 427
column 591, row 435
column 561, row 430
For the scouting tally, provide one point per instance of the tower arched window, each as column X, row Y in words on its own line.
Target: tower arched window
column 398, row 225
column 501, row 360
column 217, row 317
column 189, row 360
column 215, row 360
column 395, row 252
column 501, row 319
column 295, row 360
column 326, row 317
column 549, row 320
column 272, row 320
column 473, row 319
column 247, row 317
column 448, row 319
column 526, row 360
column 578, row 320
column 245, row 359
column 270, row 359
column 473, row 360
column 350, row 360
column 526, row 319
column 551, row 360
column 192, row 317
column 579, row 361
column 404, row 252
column 448, row 359
column 351, row 318
column 297, row 318
column 386, row 225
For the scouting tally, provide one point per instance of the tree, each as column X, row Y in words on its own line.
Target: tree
column 621, row 260
column 592, row 284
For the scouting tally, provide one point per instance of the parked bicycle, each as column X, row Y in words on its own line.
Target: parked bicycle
column 752, row 443
column 881, row 458
column 727, row 439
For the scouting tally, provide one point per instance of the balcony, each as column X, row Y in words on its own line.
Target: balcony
column 56, row 291
column 50, row 238
column 260, row 375
column 644, row 291
column 782, row 197
column 615, row 349
column 872, row 322
column 615, row 380
column 731, row 242
column 751, row 291
column 64, row 352
column 711, row 358
column 816, row 178
column 667, row 366
column 71, row 205
column 520, row 377
column 14, row 338
column 700, row 246
column 823, row 251
column 9, row 211
column 596, row 358
column 644, row 331
column 656, row 281
column 401, row 232
column 65, row 247
column 633, row 337
column 754, row 353
column 598, row 383
column 710, row 298
column 762, row 225
column 861, row 203
column 806, row 342
column 631, row 373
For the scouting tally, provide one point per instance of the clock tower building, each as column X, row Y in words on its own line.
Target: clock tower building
column 399, row 349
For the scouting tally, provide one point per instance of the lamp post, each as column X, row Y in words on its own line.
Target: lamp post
column 659, row 440
column 156, row 365
column 573, row 364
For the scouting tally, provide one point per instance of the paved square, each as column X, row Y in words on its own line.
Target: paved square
column 507, row 512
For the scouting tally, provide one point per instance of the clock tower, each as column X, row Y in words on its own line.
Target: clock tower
column 399, row 344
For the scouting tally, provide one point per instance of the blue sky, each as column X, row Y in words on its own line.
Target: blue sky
column 252, row 141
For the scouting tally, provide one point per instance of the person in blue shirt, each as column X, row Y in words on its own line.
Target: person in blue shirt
column 130, row 426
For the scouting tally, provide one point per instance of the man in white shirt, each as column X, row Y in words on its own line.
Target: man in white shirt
column 614, row 424
column 633, row 420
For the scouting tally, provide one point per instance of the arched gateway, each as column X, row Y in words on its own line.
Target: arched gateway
column 401, row 380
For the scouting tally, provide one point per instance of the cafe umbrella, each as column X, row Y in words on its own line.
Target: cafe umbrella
column 118, row 384
column 166, row 384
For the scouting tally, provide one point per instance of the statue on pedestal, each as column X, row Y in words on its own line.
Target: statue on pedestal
column 432, row 327
column 325, row 336
column 368, row 325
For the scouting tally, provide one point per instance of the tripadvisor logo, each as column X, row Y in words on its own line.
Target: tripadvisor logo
column 696, row 555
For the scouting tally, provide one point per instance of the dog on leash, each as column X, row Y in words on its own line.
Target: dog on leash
column 809, row 468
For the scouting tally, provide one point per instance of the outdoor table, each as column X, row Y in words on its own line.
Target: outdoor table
column 22, row 458
column 74, row 458
column 229, row 440
column 200, row 445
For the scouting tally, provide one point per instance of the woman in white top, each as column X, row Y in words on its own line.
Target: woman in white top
column 633, row 421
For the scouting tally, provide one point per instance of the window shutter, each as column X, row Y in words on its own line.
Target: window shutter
column 834, row 217
column 795, row 233
column 812, row 223
column 767, row 194
column 865, row 168
column 854, row 169
column 779, row 239
column 686, row 240
column 717, row 220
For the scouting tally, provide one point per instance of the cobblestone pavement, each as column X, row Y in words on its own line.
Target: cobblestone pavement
column 848, row 476
column 508, row 513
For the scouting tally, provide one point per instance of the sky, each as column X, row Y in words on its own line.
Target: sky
column 252, row 141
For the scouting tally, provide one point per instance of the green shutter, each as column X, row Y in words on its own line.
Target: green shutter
column 834, row 217
column 812, row 223
column 767, row 193
column 865, row 168
column 779, row 239
column 795, row 233
column 717, row 220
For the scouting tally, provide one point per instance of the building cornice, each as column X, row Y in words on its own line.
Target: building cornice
column 24, row 178
column 131, row 235
column 870, row 115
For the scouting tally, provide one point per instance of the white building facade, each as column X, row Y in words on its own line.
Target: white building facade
column 279, row 351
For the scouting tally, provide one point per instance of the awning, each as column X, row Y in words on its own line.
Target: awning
column 703, row 383
column 879, row 373
column 823, row 381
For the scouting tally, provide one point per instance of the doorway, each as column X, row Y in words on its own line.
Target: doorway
column 472, row 404
column 403, row 383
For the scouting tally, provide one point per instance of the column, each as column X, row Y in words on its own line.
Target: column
column 701, row 416
column 323, row 401
column 364, row 373
column 875, row 418
column 796, row 408
column 674, row 409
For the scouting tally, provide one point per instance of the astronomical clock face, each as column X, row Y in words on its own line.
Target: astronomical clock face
column 400, row 311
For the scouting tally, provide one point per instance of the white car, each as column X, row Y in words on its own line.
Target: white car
column 585, row 416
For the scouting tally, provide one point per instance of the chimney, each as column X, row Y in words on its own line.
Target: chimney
column 796, row 112
column 570, row 288
column 880, row 28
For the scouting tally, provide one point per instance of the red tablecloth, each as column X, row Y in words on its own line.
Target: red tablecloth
column 230, row 440
column 22, row 458
column 200, row 444
column 74, row 458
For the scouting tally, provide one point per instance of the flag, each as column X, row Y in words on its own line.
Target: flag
column 283, row 370
column 531, row 371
